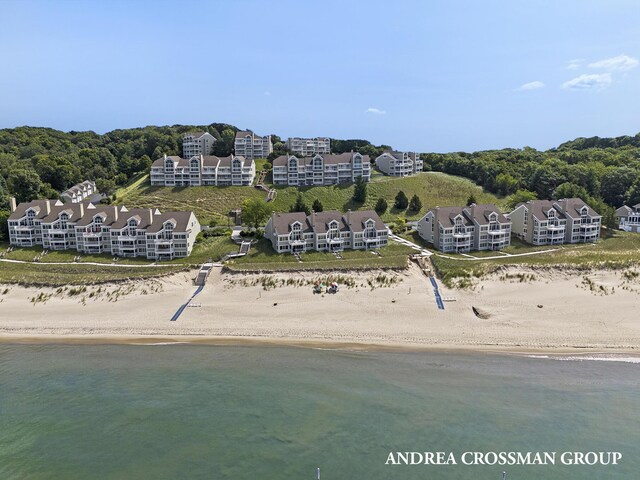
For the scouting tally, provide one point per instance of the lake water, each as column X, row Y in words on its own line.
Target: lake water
column 192, row 412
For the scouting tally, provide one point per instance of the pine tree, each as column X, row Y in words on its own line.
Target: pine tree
column 381, row 206
column 401, row 201
column 360, row 191
column 300, row 206
column 317, row 206
column 415, row 205
column 471, row 200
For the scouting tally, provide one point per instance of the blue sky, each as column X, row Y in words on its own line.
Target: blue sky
column 424, row 75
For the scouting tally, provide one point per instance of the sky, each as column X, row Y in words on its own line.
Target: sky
column 430, row 76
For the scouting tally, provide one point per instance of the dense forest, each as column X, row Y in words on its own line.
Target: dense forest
column 605, row 172
column 42, row 162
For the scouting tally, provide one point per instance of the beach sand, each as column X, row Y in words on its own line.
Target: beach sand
column 557, row 311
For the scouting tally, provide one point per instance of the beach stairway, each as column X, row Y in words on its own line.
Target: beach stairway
column 245, row 247
column 203, row 274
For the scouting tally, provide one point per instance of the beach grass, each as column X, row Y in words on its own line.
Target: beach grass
column 76, row 273
column 215, row 203
column 616, row 250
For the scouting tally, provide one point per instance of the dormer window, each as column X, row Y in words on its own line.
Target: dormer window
column 168, row 164
column 293, row 164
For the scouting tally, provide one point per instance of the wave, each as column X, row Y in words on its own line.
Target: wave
column 587, row 358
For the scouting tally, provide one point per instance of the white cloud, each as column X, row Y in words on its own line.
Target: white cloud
column 531, row 85
column 377, row 111
column 588, row 82
column 575, row 63
column 621, row 62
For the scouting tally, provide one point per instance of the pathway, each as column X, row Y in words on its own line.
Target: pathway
column 409, row 244
column 95, row 263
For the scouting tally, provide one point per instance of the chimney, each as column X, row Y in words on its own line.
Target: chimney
column 81, row 209
column 12, row 204
column 47, row 206
column 150, row 216
column 115, row 213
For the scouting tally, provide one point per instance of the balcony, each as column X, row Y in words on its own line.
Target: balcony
column 555, row 228
column 295, row 243
column 462, row 235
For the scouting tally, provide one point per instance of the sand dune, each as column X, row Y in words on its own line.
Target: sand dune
column 557, row 311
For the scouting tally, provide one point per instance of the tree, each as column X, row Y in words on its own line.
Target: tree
column 106, row 186
column 223, row 147
column 317, row 206
column 521, row 196
column 381, row 206
column 633, row 194
column 402, row 201
column 25, row 185
column 506, row 184
column 300, row 206
column 570, row 190
column 360, row 190
column 471, row 200
column 415, row 205
column 255, row 212
column 615, row 183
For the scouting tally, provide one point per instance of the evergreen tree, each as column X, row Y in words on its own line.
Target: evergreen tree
column 300, row 206
column 360, row 190
column 381, row 206
column 415, row 205
column 402, row 201
column 471, row 200
column 317, row 206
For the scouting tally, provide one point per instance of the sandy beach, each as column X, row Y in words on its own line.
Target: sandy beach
column 521, row 310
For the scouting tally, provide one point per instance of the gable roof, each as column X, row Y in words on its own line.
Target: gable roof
column 328, row 159
column 572, row 207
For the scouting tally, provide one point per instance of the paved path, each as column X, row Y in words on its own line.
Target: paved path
column 97, row 263
column 468, row 257
column 415, row 246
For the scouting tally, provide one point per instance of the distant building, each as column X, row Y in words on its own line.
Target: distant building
column 87, row 228
column 321, row 169
column 628, row 218
column 553, row 222
column 326, row 231
column 307, row 147
column 399, row 164
column 197, row 143
column 79, row 192
column 252, row 146
column 202, row 170
column 462, row 229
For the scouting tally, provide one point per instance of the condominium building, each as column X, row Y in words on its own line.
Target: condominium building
column 321, row 169
column 399, row 164
column 89, row 228
column 79, row 192
column 462, row 229
column 307, row 147
column 252, row 146
column 326, row 231
column 197, row 143
column 628, row 218
column 202, row 170
column 553, row 222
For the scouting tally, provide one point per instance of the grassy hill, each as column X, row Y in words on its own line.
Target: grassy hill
column 434, row 189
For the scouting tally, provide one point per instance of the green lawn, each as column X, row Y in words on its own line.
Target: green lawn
column 68, row 272
column 215, row 202
column 262, row 257
column 618, row 250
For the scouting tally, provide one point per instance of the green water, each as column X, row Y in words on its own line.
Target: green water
column 191, row 412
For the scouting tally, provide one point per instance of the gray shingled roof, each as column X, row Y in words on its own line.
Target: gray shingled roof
column 540, row 208
column 572, row 207
column 207, row 161
column 320, row 221
column 331, row 159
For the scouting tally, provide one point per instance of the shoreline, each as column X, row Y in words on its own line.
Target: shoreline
column 315, row 343
column 516, row 312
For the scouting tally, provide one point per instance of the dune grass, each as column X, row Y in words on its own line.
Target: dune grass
column 616, row 250
column 209, row 203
